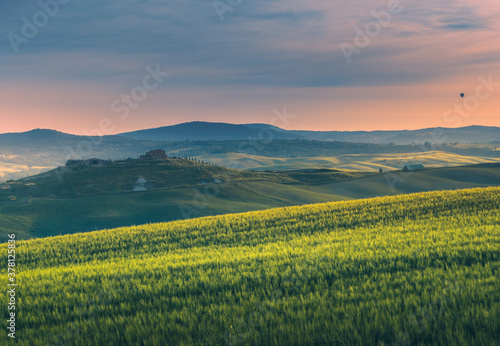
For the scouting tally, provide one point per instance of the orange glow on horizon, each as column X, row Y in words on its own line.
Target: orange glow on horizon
column 321, row 109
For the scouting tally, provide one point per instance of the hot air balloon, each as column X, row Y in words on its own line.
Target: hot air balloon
column 462, row 95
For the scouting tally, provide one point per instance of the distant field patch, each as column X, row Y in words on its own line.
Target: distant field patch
column 357, row 162
column 11, row 170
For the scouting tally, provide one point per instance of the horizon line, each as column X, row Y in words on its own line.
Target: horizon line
column 244, row 124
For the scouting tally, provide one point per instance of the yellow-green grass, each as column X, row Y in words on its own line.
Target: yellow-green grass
column 412, row 269
column 355, row 162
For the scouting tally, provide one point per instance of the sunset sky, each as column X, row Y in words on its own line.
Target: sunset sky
column 70, row 65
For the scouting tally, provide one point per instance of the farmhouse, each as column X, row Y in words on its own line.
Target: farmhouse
column 157, row 154
column 88, row 162
column 97, row 162
column 413, row 168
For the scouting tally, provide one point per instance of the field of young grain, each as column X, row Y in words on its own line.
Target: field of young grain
column 413, row 269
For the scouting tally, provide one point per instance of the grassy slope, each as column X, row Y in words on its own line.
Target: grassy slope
column 100, row 197
column 395, row 183
column 96, row 198
column 50, row 216
column 357, row 162
column 413, row 269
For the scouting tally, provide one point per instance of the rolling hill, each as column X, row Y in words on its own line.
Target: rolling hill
column 223, row 131
column 74, row 200
column 28, row 153
column 199, row 130
column 437, row 179
column 469, row 134
column 243, row 146
column 414, row 269
column 365, row 162
column 67, row 200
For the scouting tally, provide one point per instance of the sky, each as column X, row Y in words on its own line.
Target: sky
column 108, row 66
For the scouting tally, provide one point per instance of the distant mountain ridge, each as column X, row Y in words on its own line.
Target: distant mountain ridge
column 223, row 131
column 27, row 153
column 36, row 136
column 199, row 130
column 203, row 131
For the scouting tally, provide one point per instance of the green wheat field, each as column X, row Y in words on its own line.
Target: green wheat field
column 414, row 269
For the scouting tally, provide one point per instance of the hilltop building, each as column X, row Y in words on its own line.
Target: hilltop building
column 88, row 162
column 157, row 154
column 413, row 168
column 97, row 162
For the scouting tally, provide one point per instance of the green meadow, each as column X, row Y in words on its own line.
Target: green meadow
column 65, row 201
column 414, row 269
